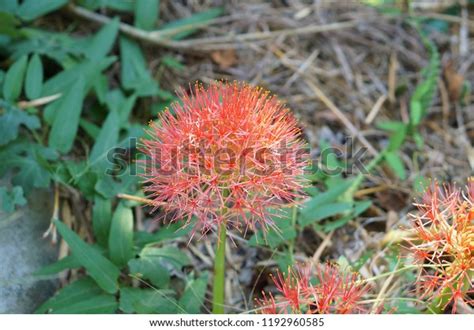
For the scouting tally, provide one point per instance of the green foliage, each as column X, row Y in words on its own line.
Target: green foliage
column 14, row 79
column 10, row 198
column 98, row 267
column 34, row 78
column 146, row 13
column 420, row 101
column 83, row 296
column 11, row 118
column 121, row 236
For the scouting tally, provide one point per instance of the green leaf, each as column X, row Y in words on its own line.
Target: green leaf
column 280, row 232
column 14, row 79
column 66, row 120
column 90, row 128
column 80, row 297
column 324, row 211
column 168, row 232
column 151, row 269
column 34, row 78
column 184, row 27
column 147, row 301
column 63, row 264
column 146, row 13
column 166, row 255
column 121, row 236
column 11, row 118
column 29, row 162
column 329, row 196
column 32, row 9
column 11, row 198
column 397, row 138
column 391, row 126
column 423, row 95
column 117, row 102
column 9, row 6
column 193, row 297
column 8, row 24
column 101, row 44
column 88, row 69
column 106, row 140
column 134, row 71
column 396, row 164
column 101, row 219
column 358, row 208
column 99, row 268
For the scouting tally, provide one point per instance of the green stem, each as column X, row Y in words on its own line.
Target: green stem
column 219, row 272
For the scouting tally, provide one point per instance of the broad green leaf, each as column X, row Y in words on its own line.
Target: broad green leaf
column 134, row 72
column 391, row 126
column 193, row 297
column 167, row 254
column 324, row 211
column 60, row 47
column 9, row 6
column 11, row 198
column 396, row 164
column 151, row 269
column 186, row 26
column 101, row 219
column 146, row 13
column 32, row 9
column 29, row 163
column 66, row 120
column 168, row 232
column 90, row 128
column 101, row 44
column 326, row 197
column 359, row 208
column 88, row 69
column 11, row 119
column 80, row 297
column 63, row 264
column 397, row 138
column 34, row 78
column 98, row 267
column 119, row 5
column 121, row 236
column 14, row 79
column 8, row 24
column 107, row 139
column 282, row 230
column 147, row 301
column 117, row 102
column 73, row 293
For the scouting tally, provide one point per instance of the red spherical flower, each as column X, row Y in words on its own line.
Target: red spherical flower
column 443, row 245
column 224, row 154
column 335, row 292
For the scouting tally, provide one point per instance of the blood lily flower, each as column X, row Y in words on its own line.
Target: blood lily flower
column 443, row 246
column 225, row 155
column 335, row 292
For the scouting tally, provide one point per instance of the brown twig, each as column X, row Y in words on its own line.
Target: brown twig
column 162, row 38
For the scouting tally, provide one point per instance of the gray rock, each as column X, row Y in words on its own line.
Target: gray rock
column 23, row 251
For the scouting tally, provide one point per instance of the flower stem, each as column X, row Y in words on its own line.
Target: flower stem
column 219, row 272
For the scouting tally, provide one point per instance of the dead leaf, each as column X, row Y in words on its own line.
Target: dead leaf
column 454, row 81
column 224, row 58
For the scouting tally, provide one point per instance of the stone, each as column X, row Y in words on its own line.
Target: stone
column 23, row 251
